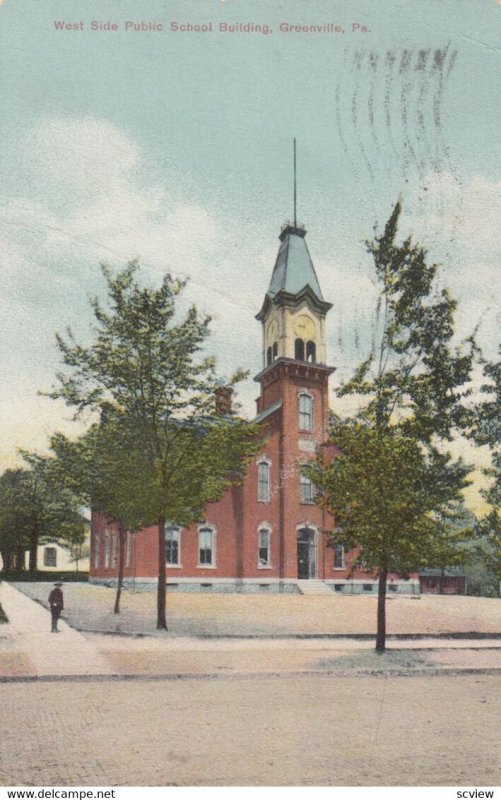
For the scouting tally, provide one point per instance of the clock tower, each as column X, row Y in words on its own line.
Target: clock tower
column 294, row 404
column 293, row 312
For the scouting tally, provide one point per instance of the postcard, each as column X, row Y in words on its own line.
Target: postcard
column 253, row 151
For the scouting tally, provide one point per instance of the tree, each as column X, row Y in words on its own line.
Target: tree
column 389, row 501
column 486, row 430
column 35, row 510
column 13, row 540
column 414, row 376
column 108, row 467
column 411, row 386
column 146, row 365
column 78, row 549
column 455, row 531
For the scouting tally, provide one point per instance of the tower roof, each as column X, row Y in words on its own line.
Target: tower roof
column 294, row 277
column 294, row 268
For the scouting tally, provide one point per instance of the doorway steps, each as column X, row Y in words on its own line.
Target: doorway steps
column 313, row 586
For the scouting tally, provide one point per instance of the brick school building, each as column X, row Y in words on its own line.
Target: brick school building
column 267, row 534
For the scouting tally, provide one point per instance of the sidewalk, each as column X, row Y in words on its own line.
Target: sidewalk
column 27, row 640
column 29, row 650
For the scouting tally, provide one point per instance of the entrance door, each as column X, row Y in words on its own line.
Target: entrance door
column 306, row 554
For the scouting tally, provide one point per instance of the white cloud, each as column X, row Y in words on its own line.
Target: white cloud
column 87, row 205
column 86, row 201
column 459, row 226
column 75, row 159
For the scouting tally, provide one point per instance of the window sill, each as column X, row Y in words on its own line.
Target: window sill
column 174, row 566
column 206, row 566
column 261, row 566
column 339, row 569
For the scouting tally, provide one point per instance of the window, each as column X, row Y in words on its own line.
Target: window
column 97, row 550
column 393, row 587
column 338, row 556
column 263, row 481
column 338, row 587
column 272, row 353
column 106, row 548
column 310, row 352
column 367, row 587
column 50, row 557
column 264, row 535
column 128, row 549
column 173, row 546
column 306, row 491
column 206, row 554
column 113, row 549
column 299, row 349
column 305, row 412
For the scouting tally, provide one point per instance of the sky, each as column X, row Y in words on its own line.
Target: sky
column 175, row 147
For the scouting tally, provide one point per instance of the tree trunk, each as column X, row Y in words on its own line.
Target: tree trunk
column 441, row 582
column 381, row 612
column 18, row 559
column 7, row 560
column 162, row 583
column 32, row 561
column 122, row 536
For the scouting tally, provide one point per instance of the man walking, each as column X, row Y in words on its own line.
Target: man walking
column 56, row 605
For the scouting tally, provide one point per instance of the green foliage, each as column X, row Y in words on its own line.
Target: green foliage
column 389, row 497
column 393, row 492
column 414, row 377
column 156, row 398
column 43, row 577
column 160, row 451
column 486, row 430
column 35, row 509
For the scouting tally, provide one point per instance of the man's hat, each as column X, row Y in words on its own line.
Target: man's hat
column 58, row 584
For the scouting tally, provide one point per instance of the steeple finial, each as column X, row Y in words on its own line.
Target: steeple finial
column 295, row 186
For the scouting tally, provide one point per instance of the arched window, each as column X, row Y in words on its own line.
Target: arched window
column 264, row 549
column 206, row 547
column 310, row 352
column 269, row 357
column 173, row 546
column 275, row 351
column 263, row 480
column 305, row 412
column 299, row 350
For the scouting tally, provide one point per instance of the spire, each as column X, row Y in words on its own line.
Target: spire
column 293, row 275
column 295, row 187
column 294, row 268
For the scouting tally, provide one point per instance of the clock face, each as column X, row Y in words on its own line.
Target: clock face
column 304, row 327
column 272, row 330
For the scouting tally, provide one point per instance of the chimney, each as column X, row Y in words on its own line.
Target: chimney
column 223, row 401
